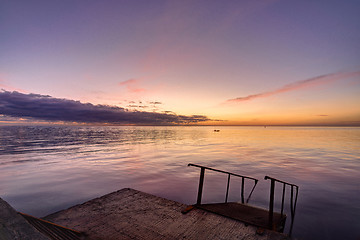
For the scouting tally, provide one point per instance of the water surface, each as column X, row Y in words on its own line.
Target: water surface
column 44, row 169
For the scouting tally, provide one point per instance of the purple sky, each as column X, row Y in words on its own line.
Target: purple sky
column 191, row 57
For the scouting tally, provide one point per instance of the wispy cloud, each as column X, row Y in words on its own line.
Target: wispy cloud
column 132, row 85
column 45, row 107
column 312, row 82
column 155, row 103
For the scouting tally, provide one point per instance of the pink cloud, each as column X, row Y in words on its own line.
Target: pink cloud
column 132, row 86
column 308, row 83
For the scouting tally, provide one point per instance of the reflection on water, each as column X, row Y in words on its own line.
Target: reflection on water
column 45, row 169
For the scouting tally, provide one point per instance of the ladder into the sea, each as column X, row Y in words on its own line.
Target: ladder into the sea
column 262, row 218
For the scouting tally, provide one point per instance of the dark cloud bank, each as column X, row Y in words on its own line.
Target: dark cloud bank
column 45, row 107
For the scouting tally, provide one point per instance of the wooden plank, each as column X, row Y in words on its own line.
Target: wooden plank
column 52, row 230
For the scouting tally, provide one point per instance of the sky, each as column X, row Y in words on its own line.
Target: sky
column 265, row 62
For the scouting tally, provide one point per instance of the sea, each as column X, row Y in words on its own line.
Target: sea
column 44, row 169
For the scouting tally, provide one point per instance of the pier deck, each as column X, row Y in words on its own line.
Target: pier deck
column 131, row 214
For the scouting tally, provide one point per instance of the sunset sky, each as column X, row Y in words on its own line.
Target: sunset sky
column 180, row 62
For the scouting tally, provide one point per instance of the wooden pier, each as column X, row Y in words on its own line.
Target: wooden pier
column 131, row 214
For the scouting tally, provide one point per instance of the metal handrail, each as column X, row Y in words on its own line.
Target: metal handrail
column 201, row 183
column 292, row 202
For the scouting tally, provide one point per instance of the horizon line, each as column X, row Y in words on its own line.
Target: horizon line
column 181, row 125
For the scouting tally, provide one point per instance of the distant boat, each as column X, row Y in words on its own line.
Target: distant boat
column 216, row 130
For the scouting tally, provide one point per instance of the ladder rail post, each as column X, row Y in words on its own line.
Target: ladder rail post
column 227, row 188
column 201, row 184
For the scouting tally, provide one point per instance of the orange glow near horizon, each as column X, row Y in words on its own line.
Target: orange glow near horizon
column 243, row 62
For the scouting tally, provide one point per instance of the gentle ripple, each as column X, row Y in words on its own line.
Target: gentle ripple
column 47, row 168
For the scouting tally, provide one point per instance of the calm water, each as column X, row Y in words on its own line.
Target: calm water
column 46, row 169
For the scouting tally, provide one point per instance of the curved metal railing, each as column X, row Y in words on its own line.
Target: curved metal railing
column 201, row 183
